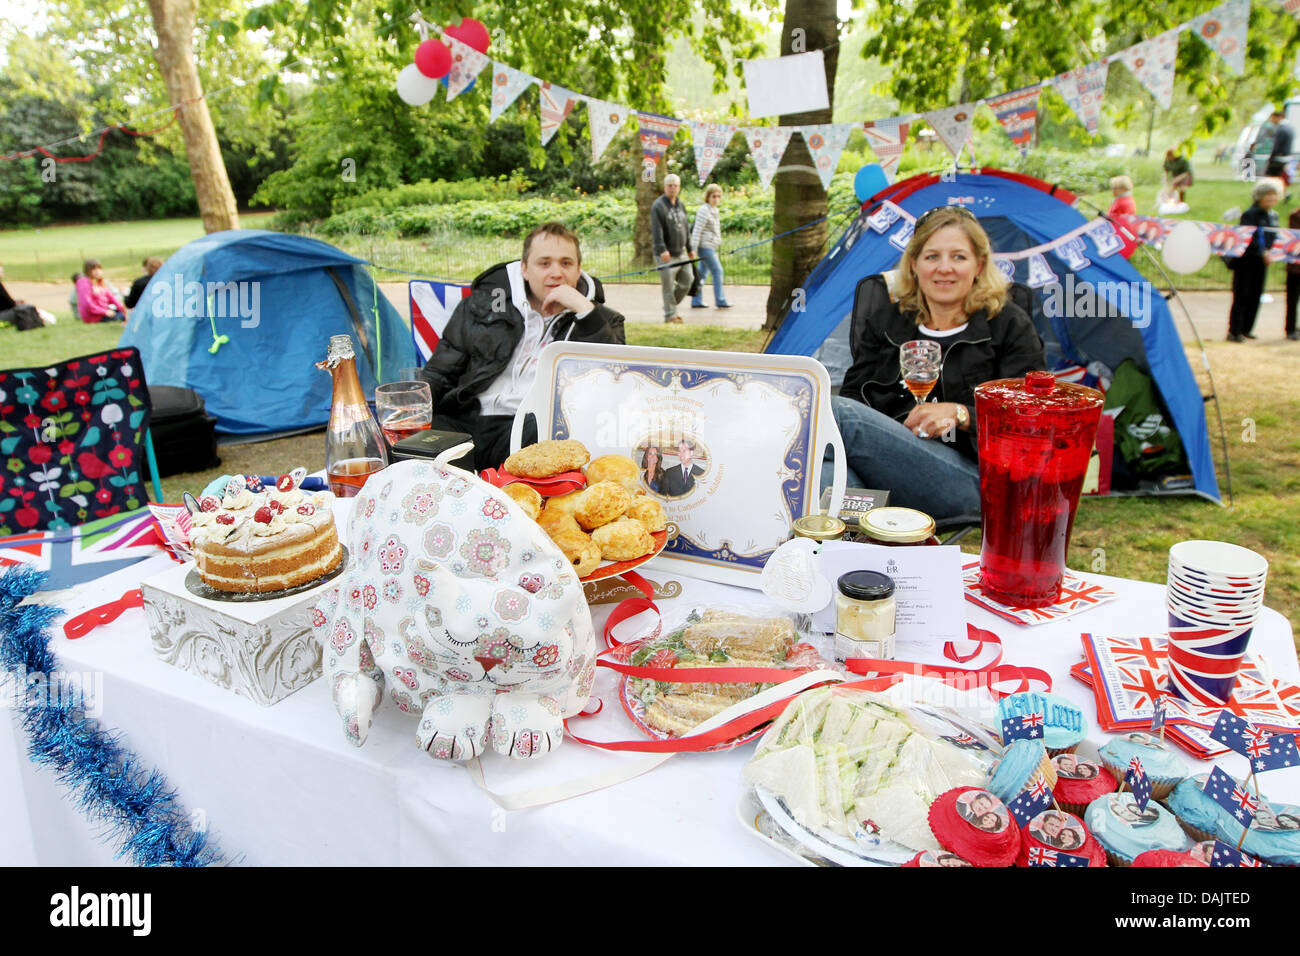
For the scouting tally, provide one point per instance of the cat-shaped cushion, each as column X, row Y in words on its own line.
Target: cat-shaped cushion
column 458, row 607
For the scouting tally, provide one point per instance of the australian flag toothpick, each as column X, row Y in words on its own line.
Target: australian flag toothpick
column 1230, row 795
column 1024, row 727
column 1158, row 713
column 1225, row 855
column 1138, row 782
column 1031, row 801
column 1041, row 856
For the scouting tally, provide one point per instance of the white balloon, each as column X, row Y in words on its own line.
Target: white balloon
column 1186, row 248
column 414, row 87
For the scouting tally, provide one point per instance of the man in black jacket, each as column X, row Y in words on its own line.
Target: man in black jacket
column 670, row 234
column 486, row 360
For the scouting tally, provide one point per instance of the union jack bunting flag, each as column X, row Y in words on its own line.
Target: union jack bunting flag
column 1232, row 796
column 72, row 556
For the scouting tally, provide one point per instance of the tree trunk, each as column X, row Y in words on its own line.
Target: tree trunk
column 800, row 197
column 173, row 22
column 647, row 191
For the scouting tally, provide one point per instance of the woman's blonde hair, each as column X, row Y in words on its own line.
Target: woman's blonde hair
column 989, row 291
column 710, row 189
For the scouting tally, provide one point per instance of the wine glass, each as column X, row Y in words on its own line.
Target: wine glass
column 403, row 408
column 920, row 362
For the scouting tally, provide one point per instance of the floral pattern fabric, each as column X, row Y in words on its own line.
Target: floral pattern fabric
column 456, row 607
column 72, row 441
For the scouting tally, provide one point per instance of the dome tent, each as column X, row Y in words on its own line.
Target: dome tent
column 243, row 316
column 1042, row 241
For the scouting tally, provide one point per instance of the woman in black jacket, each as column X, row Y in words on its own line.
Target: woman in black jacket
column 1251, row 268
column 948, row 291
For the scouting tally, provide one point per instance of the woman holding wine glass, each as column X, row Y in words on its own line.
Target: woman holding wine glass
column 950, row 328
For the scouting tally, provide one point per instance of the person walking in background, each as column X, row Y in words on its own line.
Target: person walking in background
column 151, row 265
column 1251, row 267
column 670, row 233
column 96, row 300
column 1292, row 283
column 706, row 237
column 1178, row 174
column 1283, row 145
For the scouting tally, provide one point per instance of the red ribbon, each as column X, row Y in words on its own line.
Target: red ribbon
column 87, row 621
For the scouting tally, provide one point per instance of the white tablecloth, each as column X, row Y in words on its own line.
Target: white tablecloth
column 281, row 786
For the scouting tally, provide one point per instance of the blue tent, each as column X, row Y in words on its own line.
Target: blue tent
column 242, row 317
column 1122, row 316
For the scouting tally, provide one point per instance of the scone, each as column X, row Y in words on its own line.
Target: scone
column 623, row 540
column 600, row 504
column 581, row 550
column 555, row 520
column 648, row 511
column 611, row 468
column 526, row 497
column 565, row 503
column 547, row 458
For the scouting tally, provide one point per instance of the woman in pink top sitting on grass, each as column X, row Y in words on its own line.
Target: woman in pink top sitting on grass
column 96, row 301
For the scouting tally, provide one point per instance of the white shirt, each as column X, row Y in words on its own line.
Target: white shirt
column 508, row 389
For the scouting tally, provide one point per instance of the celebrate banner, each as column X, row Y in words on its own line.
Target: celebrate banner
column 656, row 133
column 604, row 119
column 709, row 140
column 1152, row 62
column 466, row 64
column 507, row 84
column 826, row 143
column 1223, row 30
column 767, row 145
column 888, row 139
column 1017, row 111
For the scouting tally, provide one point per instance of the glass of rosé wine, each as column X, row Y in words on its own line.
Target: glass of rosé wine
column 403, row 408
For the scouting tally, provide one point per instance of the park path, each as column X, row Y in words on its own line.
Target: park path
column 641, row 303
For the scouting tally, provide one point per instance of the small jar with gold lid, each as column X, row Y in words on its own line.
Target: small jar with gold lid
column 898, row 526
column 818, row 528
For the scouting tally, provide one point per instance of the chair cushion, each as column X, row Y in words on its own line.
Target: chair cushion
column 72, row 441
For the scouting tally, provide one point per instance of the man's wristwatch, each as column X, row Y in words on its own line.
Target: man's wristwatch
column 963, row 416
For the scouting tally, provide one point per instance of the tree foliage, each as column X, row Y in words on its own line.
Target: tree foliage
column 952, row 51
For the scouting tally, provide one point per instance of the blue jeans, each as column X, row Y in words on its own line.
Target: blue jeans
column 927, row 474
column 709, row 263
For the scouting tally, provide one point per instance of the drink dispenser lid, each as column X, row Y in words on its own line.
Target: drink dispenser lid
column 1039, row 391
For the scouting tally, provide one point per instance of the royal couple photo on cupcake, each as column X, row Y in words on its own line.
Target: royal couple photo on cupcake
column 1057, row 830
column 1069, row 765
column 1123, row 806
column 983, row 811
column 670, row 466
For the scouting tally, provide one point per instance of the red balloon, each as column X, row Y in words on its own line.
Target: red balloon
column 472, row 33
column 433, row 59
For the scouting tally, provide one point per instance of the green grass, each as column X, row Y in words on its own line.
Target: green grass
column 54, row 253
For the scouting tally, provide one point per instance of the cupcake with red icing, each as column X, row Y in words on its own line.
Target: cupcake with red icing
column 1055, row 830
column 941, row 858
column 1079, row 781
column 1198, row 855
column 975, row 825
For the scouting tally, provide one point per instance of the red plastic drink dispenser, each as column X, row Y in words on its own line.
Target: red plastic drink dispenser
column 1035, row 438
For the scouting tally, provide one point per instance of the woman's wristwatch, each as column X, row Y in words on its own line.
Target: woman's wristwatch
column 963, row 416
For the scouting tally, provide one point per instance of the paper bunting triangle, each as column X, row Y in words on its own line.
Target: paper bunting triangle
column 1223, row 30
column 1082, row 90
column 826, row 142
column 466, row 64
column 1017, row 111
column 953, row 125
column 1152, row 62
column 1292, row 7
column 710, row 141
column 604, row 120
column 656, row 133
column 507, row 84
column 767, row 145
column 556, row 103
column 888, row 139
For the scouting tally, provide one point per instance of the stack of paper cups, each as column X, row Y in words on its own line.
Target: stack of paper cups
column 1214, row 593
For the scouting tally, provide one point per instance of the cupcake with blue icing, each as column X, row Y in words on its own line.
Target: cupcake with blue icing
column 1164, row 767
column 1021, row 763
column 1125, row 832
column 1064, row 725
column 1274, row 834
column 1196, row 810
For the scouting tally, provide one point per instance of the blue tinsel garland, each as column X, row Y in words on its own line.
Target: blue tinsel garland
column 110, row 784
